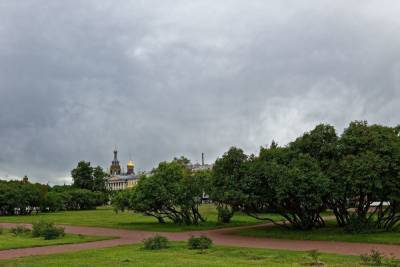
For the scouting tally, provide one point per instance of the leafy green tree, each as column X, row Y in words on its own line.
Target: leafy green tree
column 99, row 182
column 291, row 184
column 33, row 197
column 120, row 200
column 10, row 198
column 82, row 176
column 368, row 171
column 171, row 192
column 321, row 143
column 226, row 183
column 80, row 199
column 53, row 201
column 23, row 198
column 182, row 160
column 18, row 197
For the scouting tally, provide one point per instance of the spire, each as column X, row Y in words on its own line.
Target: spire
column 115, row 155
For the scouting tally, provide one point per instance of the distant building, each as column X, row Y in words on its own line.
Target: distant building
column 200, row 167
column 118, row 180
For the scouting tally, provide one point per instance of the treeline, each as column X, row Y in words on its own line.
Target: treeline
column 24, row 198
column 87, row 192
column 355, row 175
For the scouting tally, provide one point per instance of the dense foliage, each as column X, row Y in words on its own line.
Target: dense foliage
column 368, row 172
column 226, row 186
column 170, row 191
column 87, row 192
column 87, row 177
column 23, row 198
column 357, row 175
column 47, row 230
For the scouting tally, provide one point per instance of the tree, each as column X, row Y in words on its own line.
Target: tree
column 321, row 144
column 368, row 171
column 53, row 201
column 182, row 160
column 18, row 197
column 225, row 188
column 171, row 192
column 291, row 184
column 99, row 179
column 82, row 176
column 80, row 199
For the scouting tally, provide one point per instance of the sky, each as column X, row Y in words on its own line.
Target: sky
column 159, row 79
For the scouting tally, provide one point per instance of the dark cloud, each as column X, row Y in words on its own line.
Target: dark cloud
column 165, row 78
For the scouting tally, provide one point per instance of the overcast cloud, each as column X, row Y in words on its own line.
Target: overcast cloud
column 168, row 78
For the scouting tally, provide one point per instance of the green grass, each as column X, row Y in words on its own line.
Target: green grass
column 330, row 233
column 106, row 217
column 179, row 255
column 9, row 241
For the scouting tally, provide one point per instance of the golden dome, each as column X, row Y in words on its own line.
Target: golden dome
column 130, row 163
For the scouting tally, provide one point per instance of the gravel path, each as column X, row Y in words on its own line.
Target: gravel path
column 219, row 236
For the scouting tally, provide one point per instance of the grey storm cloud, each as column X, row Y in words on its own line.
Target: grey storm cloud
column 167, row 78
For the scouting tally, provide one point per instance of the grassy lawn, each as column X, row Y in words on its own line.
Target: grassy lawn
column 179, row 255
column 106, row 217
column 330, row 233
column 9, row 241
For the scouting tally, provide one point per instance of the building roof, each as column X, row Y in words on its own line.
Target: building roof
column 122, row 177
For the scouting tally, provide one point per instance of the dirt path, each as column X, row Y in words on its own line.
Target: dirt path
column 219, row 236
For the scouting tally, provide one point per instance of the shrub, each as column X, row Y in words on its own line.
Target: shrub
column 201, row 242
column 375, row 258
column 37, row 228
column 47, row 230
column 357, row 225
column 155, row 243
column 53, row 233
column 19, row 229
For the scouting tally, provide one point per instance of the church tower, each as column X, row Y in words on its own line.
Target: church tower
column 115, row 168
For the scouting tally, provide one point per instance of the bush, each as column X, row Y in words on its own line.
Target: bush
column 375, row 258
column 19, row 230
column 37, row 228
column 47, row 230
column 53, row 233
column 357, row 225
column 155, row 243
column 201, row 242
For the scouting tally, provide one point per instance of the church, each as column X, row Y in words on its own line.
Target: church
column 118, row 179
